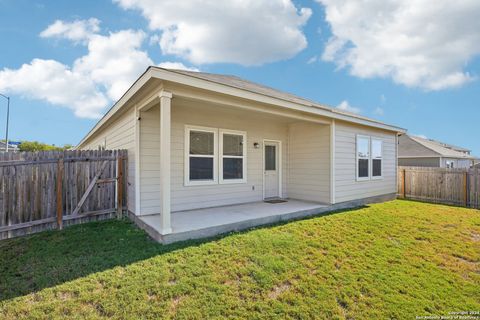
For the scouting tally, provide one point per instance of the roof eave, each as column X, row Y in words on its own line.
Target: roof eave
column 171, row 75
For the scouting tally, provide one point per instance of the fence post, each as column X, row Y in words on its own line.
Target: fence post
column 465, row 188
column 404, row 179
column 59, row 194
column 119, row 186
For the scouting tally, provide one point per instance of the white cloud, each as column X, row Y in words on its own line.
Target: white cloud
column 176, row 65
column 345, row 106
column 155, row 39
column 56, row 83
column 312, row 60
column 94, row 80
column 247, row 32
column 114, row 61
column 379, row 111
column 78, row 30
column 416, row 43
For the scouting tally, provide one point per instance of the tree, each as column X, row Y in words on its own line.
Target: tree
column 39, row 146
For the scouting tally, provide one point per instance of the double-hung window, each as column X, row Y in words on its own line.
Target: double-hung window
column 369, row 158
column 214, row 156
column 363, row 157
column 232, row 156
column 377, row 158
column 201, row 156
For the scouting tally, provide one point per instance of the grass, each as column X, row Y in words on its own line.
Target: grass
column 398, row 260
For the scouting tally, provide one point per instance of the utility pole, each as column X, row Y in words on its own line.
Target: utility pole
column 8, row 115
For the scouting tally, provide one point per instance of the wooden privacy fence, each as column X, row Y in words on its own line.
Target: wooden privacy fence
column 459, row 187
column 47, row 189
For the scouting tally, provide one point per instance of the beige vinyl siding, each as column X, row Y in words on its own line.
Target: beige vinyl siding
column 457, row 163
column 150, row 161
column 309, row 162
column 346, row 185
column 419, row 162
column 120, row 134
column 257, row 128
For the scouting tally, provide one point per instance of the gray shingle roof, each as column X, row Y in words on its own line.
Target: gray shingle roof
column 237, row 82
column 441, row 148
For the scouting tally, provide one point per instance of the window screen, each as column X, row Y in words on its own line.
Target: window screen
column 233, row 156
column 201, row 155
column 363, row 154
column 377, row 153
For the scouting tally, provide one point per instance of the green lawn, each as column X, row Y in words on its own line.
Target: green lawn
column 399, row 259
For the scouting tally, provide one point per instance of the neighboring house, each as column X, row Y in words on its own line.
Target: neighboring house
column 198, row 140
column 421, row 152
column 11, row 147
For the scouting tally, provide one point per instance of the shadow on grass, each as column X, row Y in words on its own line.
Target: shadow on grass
column 32, row 263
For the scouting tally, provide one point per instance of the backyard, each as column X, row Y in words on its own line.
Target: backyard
column 399, row 259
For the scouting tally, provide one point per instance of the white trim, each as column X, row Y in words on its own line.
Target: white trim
column 357, row 158
column 138, row 203
column 221, row 132
column 369, row 158
column 332, row 162
column 165, row 94
column 280, row 166
column 136, row 86
column 396, row 162
column 165, row 160
column 372, row 177
column 190, row 80
column 186, row 172
column 300, row 104
column 410, row 157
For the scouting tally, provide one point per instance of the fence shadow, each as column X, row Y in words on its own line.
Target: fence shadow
column 32, row 263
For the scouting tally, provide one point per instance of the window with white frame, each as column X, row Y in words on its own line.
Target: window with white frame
column 207, row 147
column 449, row 163
column 377, row 158
column 363, row 157
column 232, row 156
column 369, row 158
column 201, row 156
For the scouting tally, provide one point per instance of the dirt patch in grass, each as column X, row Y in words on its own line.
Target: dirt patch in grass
column 278, row 290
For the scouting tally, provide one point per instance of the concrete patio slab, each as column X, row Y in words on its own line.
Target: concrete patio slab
column 209, row 222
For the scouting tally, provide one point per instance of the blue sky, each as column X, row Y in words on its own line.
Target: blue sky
column 397, row 68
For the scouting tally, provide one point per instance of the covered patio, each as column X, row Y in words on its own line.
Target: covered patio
column 208, row 222
column 284, row 155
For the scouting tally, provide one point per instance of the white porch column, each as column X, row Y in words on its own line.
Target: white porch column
column 165, row 124
column 332, row 162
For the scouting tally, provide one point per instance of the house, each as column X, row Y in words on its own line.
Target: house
column 206, row 150
column 421, row 152
column 12, row 147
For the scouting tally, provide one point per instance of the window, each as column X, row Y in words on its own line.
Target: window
column 363, row 156
column 377, row 152
column 270, row 158
column 200, row 160
column 232, row 156
column 211, row 153
column 369, row 158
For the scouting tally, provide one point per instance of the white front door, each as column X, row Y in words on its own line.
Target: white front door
column 271, row 169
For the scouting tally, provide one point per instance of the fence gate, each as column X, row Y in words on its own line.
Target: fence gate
column 47, row 189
